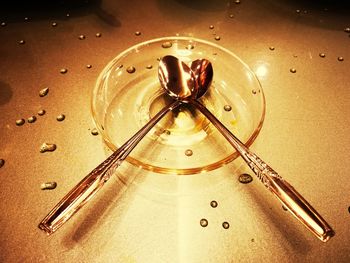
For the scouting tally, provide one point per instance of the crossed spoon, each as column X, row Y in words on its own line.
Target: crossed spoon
column 186, row 84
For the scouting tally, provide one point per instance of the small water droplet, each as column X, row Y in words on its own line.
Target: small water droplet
column 130, row 69
column 3, row 23
column 293, row 70
column 41, row 112
column 2, row 162
column 137, row 33
column 88, row 66
column 20, row 122
column 272, row 48
column 188, row 152
column 44, row 92
column 211, row 27
column 217, row 38
column 47, row 147
column 254, row 91
column 54, row 24
column 81, row 37
column 203, row 222
column 31, row 119
column 98, row 35
column 225, row 225
column 305, row 12
column 167, row 44
column 298, row 11
column 21, row 42
column 237, row 1
column 60, row 117
column 284, row 208
column 245, row 178
column 227, row 108
column 322, row 55
column 190, row 46
column 94, row 131
column 340, row 58
column 63, row 70
column 48, row 186
column 149, row 66
column 26, row 19
column 231, row 15
column 213, row 204
column 67, row 15
column 347, row 30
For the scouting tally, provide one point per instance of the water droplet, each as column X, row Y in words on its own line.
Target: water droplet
column 31, row 119
column 188, row 152
column 272, row 48
column 2, row 162
column 347, row 30
column 293, row 70
column 137, row 33
column 3, row 24
column 190, row 46
column 211, row 27
column 231, row 15
column 41, row 112
column 44, row 92
column 167, row 44
column 322, row 55
column 227, row 108
column 284, row 208
column 149, row 66
column 67, row 15
column 298, row 11
column 88, row 66
column 254, row 91
column 340, row 58
column 305, row 12
column 94, row 131
column 60, row 117
column 81, row 37
column 245, row 178
column 48, row 186
column 130, row 69
column 213, row 204
column 47, row 147
column 203, row 222
column 20, row 122
column 217, row 38
column 54, row 24
column 26, row 18
column 21, row 42
column 167, row 132
column 237, row 1
column 63, row 70
column 98, row 35
column 225, row 225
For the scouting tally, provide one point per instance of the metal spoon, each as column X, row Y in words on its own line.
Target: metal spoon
column 285, row 193
column 181, row 79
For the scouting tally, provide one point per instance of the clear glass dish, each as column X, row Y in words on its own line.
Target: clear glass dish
column 128, row 93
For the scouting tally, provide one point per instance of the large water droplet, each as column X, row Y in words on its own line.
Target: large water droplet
column 245, row 178
column 48, row 186
column 31, row 119
column 60, row 117
column 213, row 204
column 225, row 225
column 340, row 59
column 47, row 147
column 44, row 92
column 203, row 222
column 167, row 44
column 130, row 69
column 211, row 27
column 20, row 122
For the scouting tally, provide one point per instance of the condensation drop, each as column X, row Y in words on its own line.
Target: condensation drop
column 213, row 204
column 298, row 11
column 188, row 152
column 47, row 147
column 82, row 37
column 231, row 15
column 167, row 44
column 54, row 24
column 48, row 186
column 203, row 222
column 21, row 42
column 322, row 55
column 41, row 112
column 60, row 117
column 217, row 38
column 94, row 131
column 340, row 59
column 284, row 208
column 227, row 108
column 347, row 30
column 130, row 69
column 88, row 66
column 43, row 92
column 190, row 46
column 254, row 91
column 137, row 33
column 293, row 70
column 31, row 119
column 237, row 1
column 211, row 27
column 272, row 48
column 3, row 24
column 63, row 70
column 20, row 122
column 225, row 225
column 98, row 35
column 149, row 66
column 245, row 178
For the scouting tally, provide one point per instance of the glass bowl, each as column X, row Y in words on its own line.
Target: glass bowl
column 128, row 93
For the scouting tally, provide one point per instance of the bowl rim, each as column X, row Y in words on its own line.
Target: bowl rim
column 178, row 171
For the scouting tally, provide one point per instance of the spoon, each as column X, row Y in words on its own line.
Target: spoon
column 285, row 193
column 182, row 86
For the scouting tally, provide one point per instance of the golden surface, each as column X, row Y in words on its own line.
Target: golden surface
column 142, row 217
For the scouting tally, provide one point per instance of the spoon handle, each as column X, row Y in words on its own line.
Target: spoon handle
column 284, row 192
column 93, row 182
